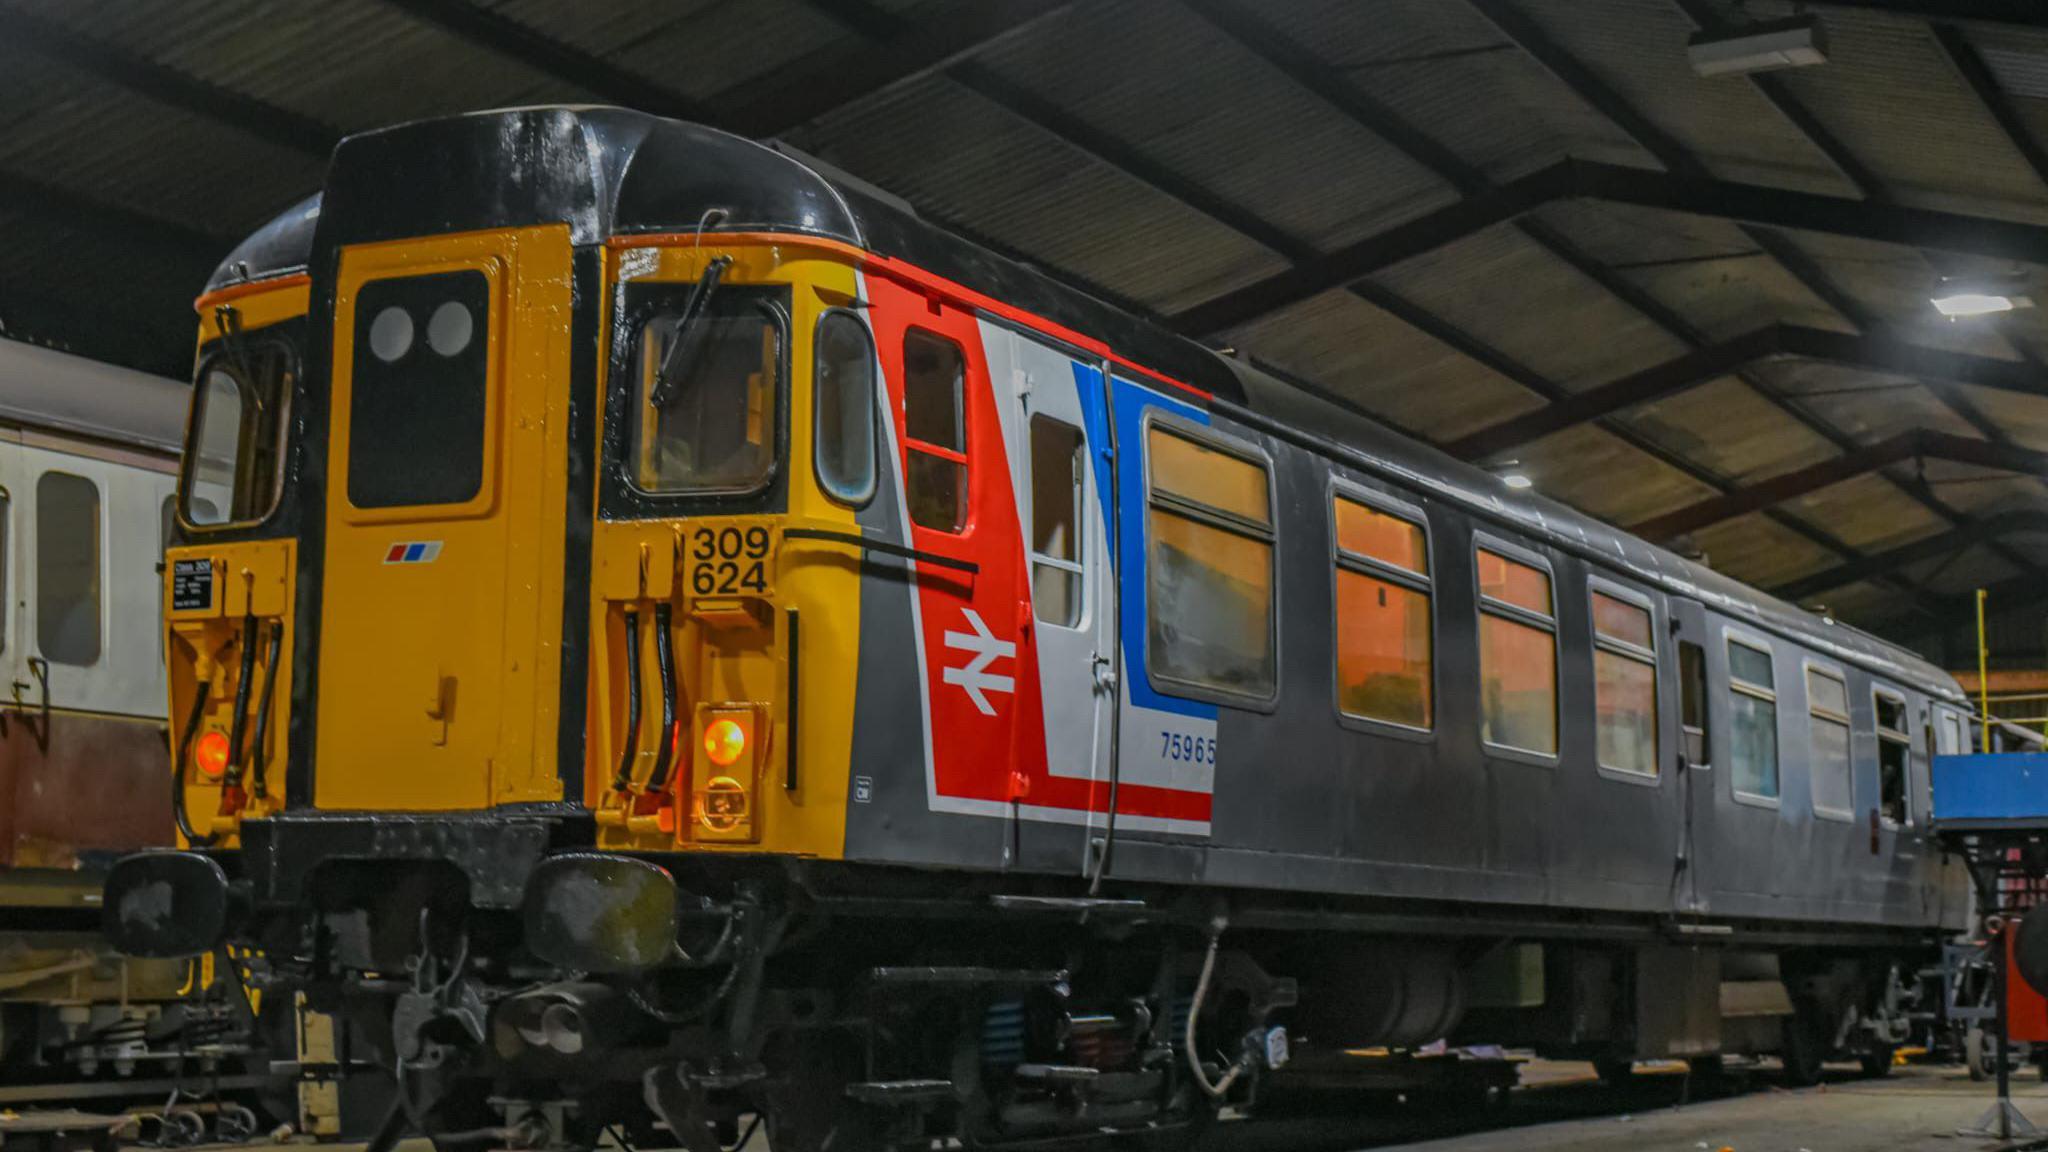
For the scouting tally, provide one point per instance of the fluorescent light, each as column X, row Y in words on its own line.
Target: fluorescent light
column 1960, row 304
column 1517, row 481
column 1795, row 42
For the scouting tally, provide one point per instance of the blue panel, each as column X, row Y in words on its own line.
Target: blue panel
column 1128, row 410
column 413, row 552
column 2008, row 786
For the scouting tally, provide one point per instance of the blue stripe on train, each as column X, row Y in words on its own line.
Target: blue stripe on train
column 1129, row 510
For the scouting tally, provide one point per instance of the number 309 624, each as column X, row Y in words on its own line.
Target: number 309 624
column 729, row 560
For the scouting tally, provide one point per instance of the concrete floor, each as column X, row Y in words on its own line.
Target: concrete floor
column 1563, row 1108
column 1914, row 1108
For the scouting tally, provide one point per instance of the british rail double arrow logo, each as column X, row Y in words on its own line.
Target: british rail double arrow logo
column 974, row 676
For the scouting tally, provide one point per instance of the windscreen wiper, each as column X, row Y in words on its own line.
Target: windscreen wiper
column 228, row 320
column 682, row 348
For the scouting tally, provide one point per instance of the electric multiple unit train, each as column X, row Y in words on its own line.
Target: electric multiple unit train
column 659, row 633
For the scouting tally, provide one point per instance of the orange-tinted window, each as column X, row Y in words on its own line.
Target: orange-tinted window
column 1381, row 536
column 1383, row 650
column 1619, row 620
column 1624, row 686
column 1214, row 479
column 1511, row 582
column 1209, row 569
column 1517, row 685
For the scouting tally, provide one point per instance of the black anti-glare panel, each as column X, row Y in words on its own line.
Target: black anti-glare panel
column 417, row 398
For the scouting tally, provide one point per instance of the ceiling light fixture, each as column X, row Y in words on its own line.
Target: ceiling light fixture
column 1959, row 304
column 1517, row 481
column 1765, row 46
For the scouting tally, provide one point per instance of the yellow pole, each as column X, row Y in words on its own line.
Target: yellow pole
column 1983, row 675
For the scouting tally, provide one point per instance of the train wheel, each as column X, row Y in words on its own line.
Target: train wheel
column 1803, row 1050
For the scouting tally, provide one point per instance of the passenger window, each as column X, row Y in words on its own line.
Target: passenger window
column 1384, row 657
column 843, row 427
column 704, row 409
column 1827, row 705
column 1951, row 734
column 68, row 569
column 1057, row 468
column 1692, row 703
column 418, row 391
column 1517, row 656
column 1894, row 751
column 1752, row 721
column 234, row 461
column 1209, row 567
column 1624, row 685
column 935, row 431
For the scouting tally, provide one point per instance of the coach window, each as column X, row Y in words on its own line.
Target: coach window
column 1752, row 721
column 234, row 460
column 705, row 400
column 1209, row 566
column 1827, row 706
column 1056, row 472
column 68, row 569
column 935, row 430
column 1692, row 704
column 843, row 414
column 1624, row 685
column 1894, row 752
column 1384, row 646
column 1517, row 655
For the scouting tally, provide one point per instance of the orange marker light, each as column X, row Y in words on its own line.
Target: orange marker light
column 724, row 741
column 212, row 754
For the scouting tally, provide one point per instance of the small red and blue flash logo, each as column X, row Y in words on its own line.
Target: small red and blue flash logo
column 413, row 552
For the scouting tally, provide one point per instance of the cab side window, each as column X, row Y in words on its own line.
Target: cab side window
column 1208, row 566
column 843, row 425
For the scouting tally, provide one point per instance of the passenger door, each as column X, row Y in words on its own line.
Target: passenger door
column 970, row 599
column 1695, row 760
column 13, row 592
column 441, row 587
column 1053, row 417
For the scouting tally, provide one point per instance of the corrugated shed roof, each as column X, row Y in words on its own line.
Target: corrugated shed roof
column 1487, row 284
column 1639, row 50
column 1298, row 164
column 1386, row 367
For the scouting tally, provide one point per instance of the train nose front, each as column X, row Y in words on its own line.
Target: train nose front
column 165, row 905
